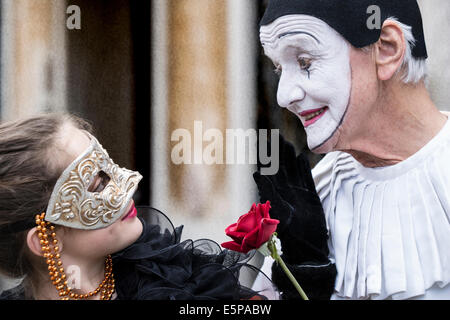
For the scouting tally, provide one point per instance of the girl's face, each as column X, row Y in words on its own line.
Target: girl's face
column 100, row 242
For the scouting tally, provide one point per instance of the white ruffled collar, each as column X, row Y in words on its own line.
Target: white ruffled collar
column 389, row 227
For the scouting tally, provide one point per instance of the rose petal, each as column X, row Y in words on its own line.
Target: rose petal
column 268, row 227
column 236, row 236
column 266, row 208
column 260, row 212
column 232, row 232
column 247, row 222
column 231, row 229
column 250, row 241
column 232, row 246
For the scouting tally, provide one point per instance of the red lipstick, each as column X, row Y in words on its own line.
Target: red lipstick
column 132, row 213
column 312, row 116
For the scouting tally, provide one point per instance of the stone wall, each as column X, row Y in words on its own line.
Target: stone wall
column 436, row 20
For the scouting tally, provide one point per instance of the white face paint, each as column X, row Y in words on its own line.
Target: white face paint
column 313, row 61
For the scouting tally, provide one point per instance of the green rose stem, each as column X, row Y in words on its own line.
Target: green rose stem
column 273, row 249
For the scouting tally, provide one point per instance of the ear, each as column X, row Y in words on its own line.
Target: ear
column 34, row 243
column 389, row 50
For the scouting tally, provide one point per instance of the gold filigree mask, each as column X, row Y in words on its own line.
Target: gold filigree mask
column 74, row 206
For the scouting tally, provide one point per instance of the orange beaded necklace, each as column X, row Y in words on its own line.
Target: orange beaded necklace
column 50, row 248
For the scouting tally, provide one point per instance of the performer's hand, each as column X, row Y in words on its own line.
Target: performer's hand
column 294, row 200
column 317, row 280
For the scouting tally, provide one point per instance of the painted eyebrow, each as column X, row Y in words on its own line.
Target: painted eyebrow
column 297, row 32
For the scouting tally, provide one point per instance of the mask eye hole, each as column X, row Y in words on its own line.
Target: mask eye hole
column 100, row 182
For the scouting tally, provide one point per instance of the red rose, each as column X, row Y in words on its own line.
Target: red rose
column 252, row 230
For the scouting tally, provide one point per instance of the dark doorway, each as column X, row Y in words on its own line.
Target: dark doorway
column 141, row 37
column 109, row 80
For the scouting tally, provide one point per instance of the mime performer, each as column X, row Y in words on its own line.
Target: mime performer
column 379, row 225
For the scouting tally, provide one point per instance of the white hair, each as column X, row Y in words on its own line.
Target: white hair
column 413, row 69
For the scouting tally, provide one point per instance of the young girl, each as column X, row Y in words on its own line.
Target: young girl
column 70, row 230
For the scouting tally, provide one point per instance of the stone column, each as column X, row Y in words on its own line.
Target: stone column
column 197, row 92
column 33, row 57
column 436, row 20
column 203, row 72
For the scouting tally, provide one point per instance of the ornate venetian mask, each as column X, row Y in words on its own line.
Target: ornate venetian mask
column 73, row 205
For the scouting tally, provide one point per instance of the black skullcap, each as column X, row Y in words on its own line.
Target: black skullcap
column 349, row 18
